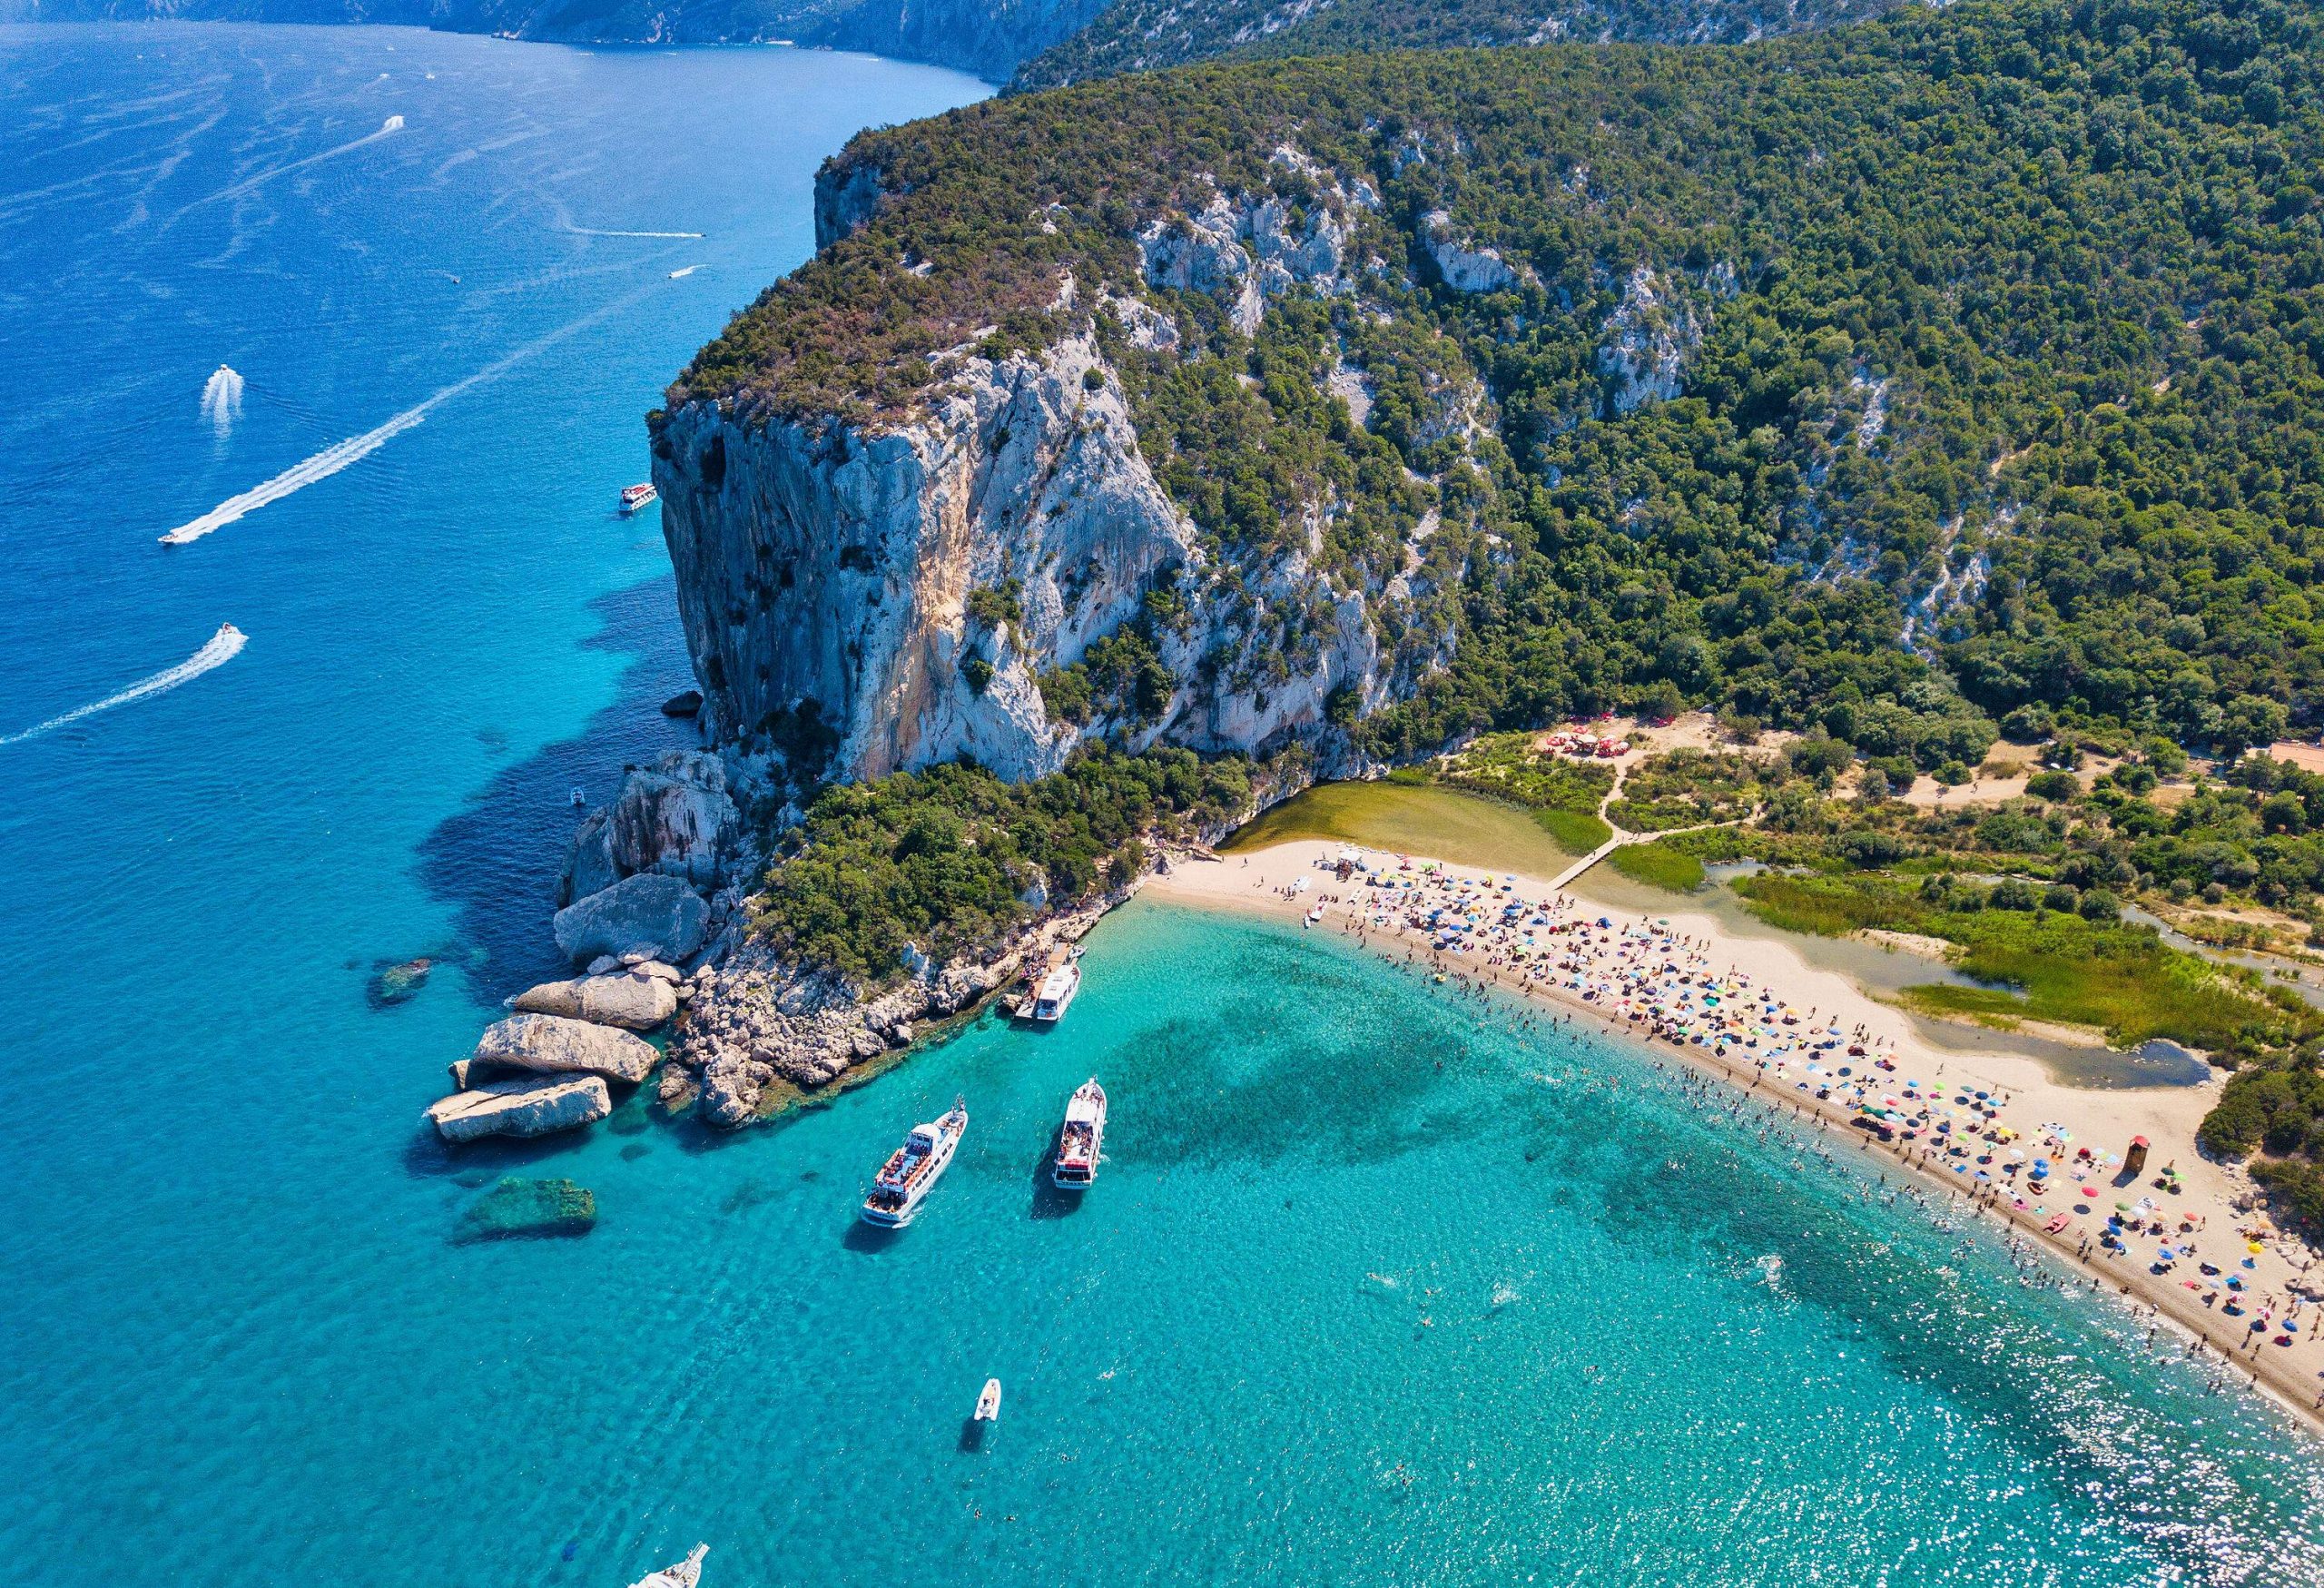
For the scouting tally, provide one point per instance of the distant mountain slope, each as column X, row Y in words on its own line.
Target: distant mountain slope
column 1137, row 35
column 988, row 37
column 1044, row 42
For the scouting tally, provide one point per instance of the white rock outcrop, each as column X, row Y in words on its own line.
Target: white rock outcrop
column 826, row 572
column 677, row 817
column 629, row 999
column 549, row 1044
column 1252, row 247
column 1463, row 268
column 650, row 914
column 1647, row 341
column 520, row 1108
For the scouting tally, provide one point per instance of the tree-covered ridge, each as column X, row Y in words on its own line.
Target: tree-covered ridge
column 1144, row 36
column 1891, row 379
column 948, row 860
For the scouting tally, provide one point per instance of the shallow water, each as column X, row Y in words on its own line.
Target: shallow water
column 1376, row 1286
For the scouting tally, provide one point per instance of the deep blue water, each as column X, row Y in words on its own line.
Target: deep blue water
column 1375, row 1287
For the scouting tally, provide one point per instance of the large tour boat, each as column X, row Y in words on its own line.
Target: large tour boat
column 1049, row 989
column 634, row 497
column 914, row 1169
column 1084, row 1134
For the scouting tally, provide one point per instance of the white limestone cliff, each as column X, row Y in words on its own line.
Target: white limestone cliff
column 826, row 572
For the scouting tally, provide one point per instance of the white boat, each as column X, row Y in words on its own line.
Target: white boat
column 1078, row 1144
column 988, row 1402
column 1050, row 996
column 634, row 497
column 914, row 1169
column 685, row 1574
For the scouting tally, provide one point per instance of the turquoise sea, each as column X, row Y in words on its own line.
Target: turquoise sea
column 1377, row 1286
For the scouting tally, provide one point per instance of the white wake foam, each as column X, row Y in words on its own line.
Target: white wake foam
column 221, row 399
column 223, row 647
column 679, row 275
column 594, row 231
column 355, row 449
column 299, row 476
column 388, row 129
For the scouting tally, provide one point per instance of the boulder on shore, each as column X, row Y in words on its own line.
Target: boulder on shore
column 684, row 703
column 520, row 1108
column 658, row 915
column 589, row 865
column 677, row 817
column 634, row 1001
column 547, row 1044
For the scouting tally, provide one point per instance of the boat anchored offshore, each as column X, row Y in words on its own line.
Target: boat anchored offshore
column 634, row 497
column 914, row 1169
column 988, row 1402
column 686, row 1573
column 1049, row 989
column 1084, row 1134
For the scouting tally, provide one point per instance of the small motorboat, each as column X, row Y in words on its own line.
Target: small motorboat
column 579, row 799
column 988, row 1402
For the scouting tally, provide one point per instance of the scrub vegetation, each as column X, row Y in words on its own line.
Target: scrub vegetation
column 1923, row 387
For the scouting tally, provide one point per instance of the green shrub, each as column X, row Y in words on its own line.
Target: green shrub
column 1659, row 865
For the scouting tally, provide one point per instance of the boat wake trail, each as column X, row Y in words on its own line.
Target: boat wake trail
column 593, row 231
column 221, row 400
column 388, row 129
column 223, row 647
column 355, row 449
column 299, row 476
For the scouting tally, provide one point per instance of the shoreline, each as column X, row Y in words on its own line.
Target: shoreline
column 1253, row 882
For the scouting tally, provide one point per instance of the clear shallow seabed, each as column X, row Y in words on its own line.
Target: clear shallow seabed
column 1376, row 1286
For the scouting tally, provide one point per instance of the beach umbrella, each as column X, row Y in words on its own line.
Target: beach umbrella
column 2255, row 1247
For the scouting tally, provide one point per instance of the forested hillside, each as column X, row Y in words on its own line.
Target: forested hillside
column 1952, row 370
column 1137, row 35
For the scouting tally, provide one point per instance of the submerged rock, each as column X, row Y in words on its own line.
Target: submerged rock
column 525, row 1106
column 549, row 1044
column 658, row 915
column 518, row 1207
column 398, row 983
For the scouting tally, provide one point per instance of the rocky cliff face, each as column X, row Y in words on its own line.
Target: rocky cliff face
column 825, row 575
column 900, row 587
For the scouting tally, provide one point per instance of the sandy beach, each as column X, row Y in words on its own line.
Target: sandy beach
column 1751, row 1013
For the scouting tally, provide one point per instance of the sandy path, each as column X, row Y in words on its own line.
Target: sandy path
column 2104, row 1120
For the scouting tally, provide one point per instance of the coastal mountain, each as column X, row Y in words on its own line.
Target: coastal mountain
column 1141, row 36
column 987, row 37
column 1906, row 381
column 993, row 39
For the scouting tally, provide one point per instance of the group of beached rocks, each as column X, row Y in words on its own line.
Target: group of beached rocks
column 634, row 918
column 650, row 914
column 755, row 1021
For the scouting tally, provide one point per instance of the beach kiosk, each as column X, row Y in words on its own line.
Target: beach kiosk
column 2134, row 1160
